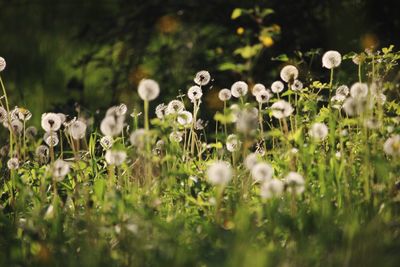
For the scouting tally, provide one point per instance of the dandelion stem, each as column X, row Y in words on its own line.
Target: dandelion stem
column 8, row 116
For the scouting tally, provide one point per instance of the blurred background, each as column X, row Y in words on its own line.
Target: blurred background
column 87, row 55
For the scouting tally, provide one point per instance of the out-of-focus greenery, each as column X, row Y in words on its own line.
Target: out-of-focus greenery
column 94, row 52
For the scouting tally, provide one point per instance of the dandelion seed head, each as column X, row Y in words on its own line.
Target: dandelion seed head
column 148, row 89
column 297, row 85
column 258, row 88
column 13, row 164
column 202, row 78
column 161, row 110
column 2, row 64
column 138, row 138
column 31, row 132
column 185, row 118
column 281, row 109
column 277, row 87
column 289, row 73
column 295, row 183
column 359, row 90
column 77, row 129
column 106, row 142
column 319, row 131
column 224, row 94
column 176, row 137
column 263, row 96
column 51, row 122
column 353, row 106
column 115, row 157
column 272, row 188
column 331, row 59
column 251, row 160
column 111, row 125
column 17, row 126
column 42, row 154
column 392, row 146
column 51, row 139
column 262, row 172
column 343, row 90
column 174, row 107
column 3, row 115
column 194, row 93
column 60, row 169
column 4, row 150
column 233, row 143
column 219, row 173
column 239, row 89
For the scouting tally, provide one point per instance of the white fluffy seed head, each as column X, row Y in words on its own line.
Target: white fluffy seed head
column 353, row 106
column 60, row 170
column 272, row 188
column 281, row 109
column 239, row 89
column 42, row 153
column 257, row 88
column 331, row 59
column 219, row 173
column 185, row 118
column 17, row 126
column 51, row 139
column 318, row 131
column 13, row 164
column 174, row 107
column 115, row 157
column 3, row 115
column 106, row 142
column 289, row 73
column 195, row 93
column 263, row 96
column 160, row 111
column 112, row 125
column 224, row 94
column 262, row 172
column 2, row 64
column 251, row 160
column 297, row 85
column 277, row 87
column 51, row 122
column 137, row 138
column 148, row 89
column 233, row 143
column 176, row 137
column 202, row 78
column 359, row 90
column 77, row 129
column 343, row 90
column 295, row 183
column 392, row 146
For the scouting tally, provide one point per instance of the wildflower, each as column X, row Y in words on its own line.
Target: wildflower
column 359, row 90
column 31, row 132
column 77, row 130
column 318, row 131
column 202, row 78
column 21, row 114
column 232, row 143
column 246, row 120
column 13, row 163
column 60, row 170
column 224, row 95
column 295, row 183
column 272, row 188
column 160, row 111
column 239, row 89
column 297, row 85
column 137, row 138
column 111, row 125
column 51, row 122
column 281, row 109
column 343, row 90
column 219, row 173
column 277, row 87
column 194, row 93
column 3, row 115
column 176, row 137
column 51, row 139
column 262, row 172
column 263, row 96
column 251, row 160
column 184, row 118
column 331, row 59
column 148, row 89
column 174, row 107
column 392, row 146
column 106, row 142
column 258, row 88
column 17, row 126
column 117, row 111
column 289, row 73
column 338, row 98
column 4, row 150
column 353, row 106
column 42, row 153
column 115, row 157
column 2, row 64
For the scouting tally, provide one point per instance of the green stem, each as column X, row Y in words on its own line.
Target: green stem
column 8, row 117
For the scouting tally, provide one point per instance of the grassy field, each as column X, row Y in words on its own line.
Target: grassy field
column 299, row 172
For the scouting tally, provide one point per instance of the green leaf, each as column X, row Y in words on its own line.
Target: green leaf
column 282, row 57
column 266, row 12
column 237, row 12
column 248, row 51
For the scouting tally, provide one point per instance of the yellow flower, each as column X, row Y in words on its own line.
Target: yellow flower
column 240, row 30
column 266, row 40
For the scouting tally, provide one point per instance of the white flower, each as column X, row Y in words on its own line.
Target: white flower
column 239, row 89
column 272, row 188
column 137, row 138
column 174, row 107
column 51, row 139
column 77, row 129
column 331, row 59
column 176, row 137
column 263, row 96
column 2, row 64
column 185, row 118
column 262, row 172
column 251, row 160
column 195, row 93
column 359, row 90
column 392, row 146
column 60, row 170
column 106, row 142
column 343, row 90
column 51, row 122
column 297, row 85
column 219, row 173
column 295, row 183
column 17, row 126
column 232, row 143
column 13, row 163
column 42, row 154
column 289, row 73
column 257, row 88
column 3, row 115
column 281, row 109
column 318, row 131
column 160, row 110
column 21, row 114
column 202, row 78
column 148, row 89
column 115, row 157
column 224, row 94
column 277, row 87
column 112, row 125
